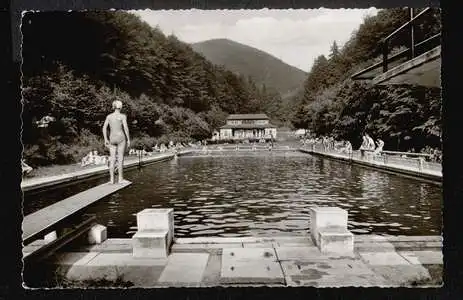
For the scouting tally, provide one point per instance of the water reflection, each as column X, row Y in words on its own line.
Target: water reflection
column 266, row 194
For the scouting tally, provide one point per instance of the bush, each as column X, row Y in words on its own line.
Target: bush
column 51, row 151
column 143, row 142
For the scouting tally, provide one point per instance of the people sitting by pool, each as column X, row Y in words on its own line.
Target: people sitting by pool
column 379, row 148
column 368, row 145
column 347, row 147
column 338, row 145
column 162, row 148
column 143, row 152
column 45, row 121
column 331, row 142
column 93, row 158
column 371, row 142
column 324, row 143
column 364, row 146
column 436, row 156
column 26, row 169
column 87, row 159
column 327, row 143
column 99, row 159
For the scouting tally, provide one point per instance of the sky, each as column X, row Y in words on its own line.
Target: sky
column 296, row 37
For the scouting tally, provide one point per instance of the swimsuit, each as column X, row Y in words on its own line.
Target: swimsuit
column 117, row 138
column 116, row 135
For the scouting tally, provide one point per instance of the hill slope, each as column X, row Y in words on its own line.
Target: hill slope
column 169, row 91
column 262, row 67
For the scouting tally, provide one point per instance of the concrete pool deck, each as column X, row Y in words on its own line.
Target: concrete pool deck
column 273, row 261
column 30, row 184
column 428, row 174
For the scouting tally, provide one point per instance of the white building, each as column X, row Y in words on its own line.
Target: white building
column 247, row 126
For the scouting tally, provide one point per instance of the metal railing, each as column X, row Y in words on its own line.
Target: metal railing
column 414, row 49
column 408, row 161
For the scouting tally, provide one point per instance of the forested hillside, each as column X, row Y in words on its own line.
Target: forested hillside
column 405, row 117
column 75, row 64
column 262, row 67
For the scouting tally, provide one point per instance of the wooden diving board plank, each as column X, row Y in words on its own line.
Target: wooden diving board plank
column 39, row 221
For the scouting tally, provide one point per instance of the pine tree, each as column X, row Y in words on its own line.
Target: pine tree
column 334, row 51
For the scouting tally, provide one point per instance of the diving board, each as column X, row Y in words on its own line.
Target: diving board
column 38, row 222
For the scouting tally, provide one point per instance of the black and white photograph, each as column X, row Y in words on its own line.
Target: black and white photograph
column 232, row 148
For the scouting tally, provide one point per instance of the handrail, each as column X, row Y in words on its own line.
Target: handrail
column 406, row 153
column 410, row 51
column 398, row 55
column 407, row 24
column 419, row 161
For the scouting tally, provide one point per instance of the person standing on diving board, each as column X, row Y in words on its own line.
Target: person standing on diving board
column 119, row 140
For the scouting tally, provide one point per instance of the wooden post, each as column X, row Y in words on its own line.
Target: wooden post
column 412, row 35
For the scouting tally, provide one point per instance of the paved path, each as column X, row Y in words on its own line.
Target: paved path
column 277, row 261
column 37, row 222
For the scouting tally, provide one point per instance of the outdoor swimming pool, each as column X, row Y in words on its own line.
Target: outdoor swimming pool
column 262, row 193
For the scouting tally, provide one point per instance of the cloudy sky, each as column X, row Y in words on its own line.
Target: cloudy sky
column 294, row 36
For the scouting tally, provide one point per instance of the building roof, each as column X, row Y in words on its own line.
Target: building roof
column 248, row 126
column 247, row 117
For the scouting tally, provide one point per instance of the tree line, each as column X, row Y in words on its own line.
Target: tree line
column 75, row 64
column 330, row 103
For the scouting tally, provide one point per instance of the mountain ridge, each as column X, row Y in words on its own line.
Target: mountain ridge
column 262, row 67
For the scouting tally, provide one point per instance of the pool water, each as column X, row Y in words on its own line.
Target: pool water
column 263, row 194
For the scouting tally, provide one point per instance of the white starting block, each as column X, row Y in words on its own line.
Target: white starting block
column 155, row 233
column 150, row 244
column 97, row 234
column 328, row 228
